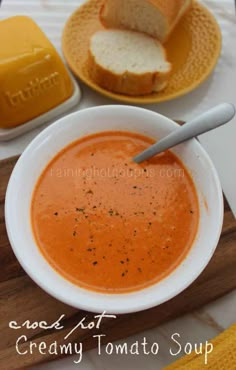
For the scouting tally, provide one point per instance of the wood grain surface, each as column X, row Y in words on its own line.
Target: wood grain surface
column 21, row 299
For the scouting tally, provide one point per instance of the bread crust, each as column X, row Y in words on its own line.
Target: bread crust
column 127, row 83
column 170, row 9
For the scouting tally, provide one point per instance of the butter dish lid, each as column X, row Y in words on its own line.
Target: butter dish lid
column 48, row 117
column 34, row 79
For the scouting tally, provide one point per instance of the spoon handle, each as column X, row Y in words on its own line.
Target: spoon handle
column 207, row 121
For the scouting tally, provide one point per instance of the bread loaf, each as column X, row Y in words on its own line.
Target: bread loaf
column 154, row 17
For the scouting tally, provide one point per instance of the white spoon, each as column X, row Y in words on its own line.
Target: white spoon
column 207, row 121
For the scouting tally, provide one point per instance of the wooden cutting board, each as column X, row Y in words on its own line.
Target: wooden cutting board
column 21, row 299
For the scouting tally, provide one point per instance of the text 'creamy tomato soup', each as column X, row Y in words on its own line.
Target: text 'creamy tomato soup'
column 108, row 224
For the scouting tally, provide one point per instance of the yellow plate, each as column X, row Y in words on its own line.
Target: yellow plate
column 193, row 49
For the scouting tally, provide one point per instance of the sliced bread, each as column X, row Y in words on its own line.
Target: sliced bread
column 154, row 17
column 128, row 62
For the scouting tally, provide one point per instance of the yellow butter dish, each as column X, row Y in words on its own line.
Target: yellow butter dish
column 35, row 85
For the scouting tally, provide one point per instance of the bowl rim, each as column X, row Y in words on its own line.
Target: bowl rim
column 141, row 305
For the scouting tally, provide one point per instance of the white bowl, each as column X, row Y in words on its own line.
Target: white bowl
column 46, row 145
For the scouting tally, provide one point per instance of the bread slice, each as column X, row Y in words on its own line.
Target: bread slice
column 154, row 17
column 128, row 62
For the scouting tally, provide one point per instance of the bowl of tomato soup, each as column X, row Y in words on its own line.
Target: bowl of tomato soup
column 102, row 233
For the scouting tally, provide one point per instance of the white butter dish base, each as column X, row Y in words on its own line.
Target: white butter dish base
column 11, row 133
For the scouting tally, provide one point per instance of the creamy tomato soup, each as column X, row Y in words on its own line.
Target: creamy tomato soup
column 108, row 224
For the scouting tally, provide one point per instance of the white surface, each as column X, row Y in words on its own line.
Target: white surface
column 212, row 319
column 53, row 140
column 207, row 121
column 60, row 110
